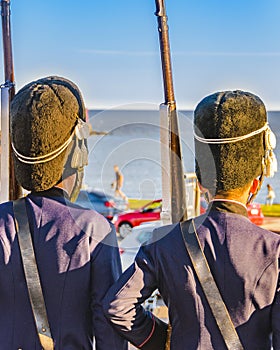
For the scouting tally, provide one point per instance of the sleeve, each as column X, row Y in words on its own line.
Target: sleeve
column 122, row 305
column 106, row 268
column 276, row 315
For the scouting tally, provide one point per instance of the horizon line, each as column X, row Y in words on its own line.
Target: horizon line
column 181, row 53
column 107, row 108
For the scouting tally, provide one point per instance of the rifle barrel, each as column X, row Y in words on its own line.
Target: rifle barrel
column 7, row 44
column 14, row 188
column 178, row 191
column 165, row 54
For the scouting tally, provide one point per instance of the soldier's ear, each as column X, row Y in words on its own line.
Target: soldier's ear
column 255, row 186
column 202, row 189
column 205, row 192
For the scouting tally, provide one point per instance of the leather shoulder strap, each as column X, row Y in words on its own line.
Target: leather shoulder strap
column 209, row 286
column 32, row 274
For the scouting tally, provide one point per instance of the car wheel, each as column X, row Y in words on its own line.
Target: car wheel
column 124, row 229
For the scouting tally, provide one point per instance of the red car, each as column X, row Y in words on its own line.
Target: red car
column 255, row 213
column 151, row 212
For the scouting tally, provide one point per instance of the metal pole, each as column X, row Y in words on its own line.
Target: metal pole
column 13, row 187
column 177, row 183
column 5, row 144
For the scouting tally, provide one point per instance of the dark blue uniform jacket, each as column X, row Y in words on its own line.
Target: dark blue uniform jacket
column 78, row 260
column 244, row 260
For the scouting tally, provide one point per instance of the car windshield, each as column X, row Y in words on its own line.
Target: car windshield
column 154, row 206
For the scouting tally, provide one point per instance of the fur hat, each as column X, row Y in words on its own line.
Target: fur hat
column 44, row 116
column 223, row 164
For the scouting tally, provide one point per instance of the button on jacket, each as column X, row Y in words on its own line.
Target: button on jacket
column 78, row 260
column 244, row 260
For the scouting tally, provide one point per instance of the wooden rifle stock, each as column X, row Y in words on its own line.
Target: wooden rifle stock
column 14, row 188
column 178, row 190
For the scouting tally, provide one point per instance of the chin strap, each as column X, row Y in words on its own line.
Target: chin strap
column 78, row 184
column 269, row 162
column 80, row 154
column 79, row 157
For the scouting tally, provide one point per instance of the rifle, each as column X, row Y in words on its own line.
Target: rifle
column 9, row 186
column 172, row 159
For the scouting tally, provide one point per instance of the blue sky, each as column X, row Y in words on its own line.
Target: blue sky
column 111, row 50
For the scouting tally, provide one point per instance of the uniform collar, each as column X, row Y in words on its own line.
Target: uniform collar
column 229, row 206
column 52, row 192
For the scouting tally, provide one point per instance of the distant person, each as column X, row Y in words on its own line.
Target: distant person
column 270, row 195
column 232, row 154
column 118, row 184
column 76, row 249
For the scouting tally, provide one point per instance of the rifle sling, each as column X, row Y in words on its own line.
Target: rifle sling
column 209, row 286
column 32, row 275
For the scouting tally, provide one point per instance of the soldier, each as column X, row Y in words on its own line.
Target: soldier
column 76, row 249
column 233, row 151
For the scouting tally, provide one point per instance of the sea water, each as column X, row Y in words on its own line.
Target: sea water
column 131, row 139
